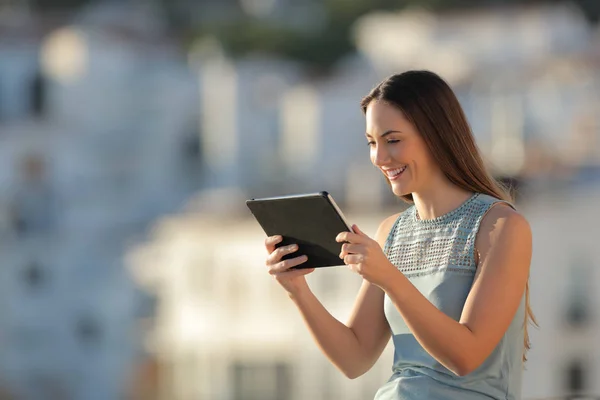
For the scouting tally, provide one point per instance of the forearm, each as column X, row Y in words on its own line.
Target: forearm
column 336, row 340
column 448, row 341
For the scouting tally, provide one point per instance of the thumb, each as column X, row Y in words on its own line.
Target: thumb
column 357, row 230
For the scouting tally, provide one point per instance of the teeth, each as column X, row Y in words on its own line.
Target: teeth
column 394, row 172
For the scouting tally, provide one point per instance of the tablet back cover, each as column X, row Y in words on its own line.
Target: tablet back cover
column 310, row 221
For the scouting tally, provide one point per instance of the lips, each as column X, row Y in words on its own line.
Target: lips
column 395, row 173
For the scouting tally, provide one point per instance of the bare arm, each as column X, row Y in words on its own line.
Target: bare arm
column 353, row 347
column 504, row 245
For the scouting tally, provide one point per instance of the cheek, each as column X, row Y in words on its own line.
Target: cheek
column 403, row 153
column 424, row 163
column 412, row 152
column 399, row 152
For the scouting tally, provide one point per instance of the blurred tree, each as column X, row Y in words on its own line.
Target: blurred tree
column 57, row 5
column 318, row 48
column 178, row 11
column 244, row 34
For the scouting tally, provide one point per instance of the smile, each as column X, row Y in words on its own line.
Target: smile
column 394, row 174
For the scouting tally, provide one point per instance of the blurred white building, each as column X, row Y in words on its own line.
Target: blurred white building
column 98, row 137
column 565, row 274
column 526, row 76
column 240, row 117
column 458, row 43
column 227, row 331
column 267, row 128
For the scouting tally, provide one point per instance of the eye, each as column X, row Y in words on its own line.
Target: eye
column 392, row 141
column 371, row 143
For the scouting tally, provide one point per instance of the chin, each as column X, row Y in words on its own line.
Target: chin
column 401, row 190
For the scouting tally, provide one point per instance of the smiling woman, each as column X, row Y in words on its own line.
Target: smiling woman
column 447, row 278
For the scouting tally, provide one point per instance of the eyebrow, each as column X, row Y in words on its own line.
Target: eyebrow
column 384, row 134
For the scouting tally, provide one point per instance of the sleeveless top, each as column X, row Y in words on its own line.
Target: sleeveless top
column 438, row 257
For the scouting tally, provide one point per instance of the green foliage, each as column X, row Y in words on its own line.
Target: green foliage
column 57, row 5
column 320, row 48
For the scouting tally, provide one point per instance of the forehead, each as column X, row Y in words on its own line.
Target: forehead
column 381, row 116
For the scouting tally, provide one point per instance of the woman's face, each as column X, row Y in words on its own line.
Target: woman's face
column 397, row 149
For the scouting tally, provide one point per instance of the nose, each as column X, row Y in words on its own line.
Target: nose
column 380, row 156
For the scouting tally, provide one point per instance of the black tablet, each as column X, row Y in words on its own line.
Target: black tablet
column 312, row 221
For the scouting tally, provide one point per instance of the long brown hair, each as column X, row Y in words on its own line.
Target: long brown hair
column 429, row 103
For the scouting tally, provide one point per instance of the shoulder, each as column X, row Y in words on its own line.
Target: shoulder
column 503, row 226
column 502, row 216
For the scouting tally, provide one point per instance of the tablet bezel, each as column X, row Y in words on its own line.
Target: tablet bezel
column 322, row 193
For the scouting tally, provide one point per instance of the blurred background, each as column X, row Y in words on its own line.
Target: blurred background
column 132, row 131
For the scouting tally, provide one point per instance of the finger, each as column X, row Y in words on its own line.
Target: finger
column 349, row 248
column 271, row 241
column 357, row 230
column 353, row 267
column 278, row 254
column 294, row 273
column 353, row 259
column 348, row 237
column 285, row 265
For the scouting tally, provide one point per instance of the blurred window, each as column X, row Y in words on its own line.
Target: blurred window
column 34, row 199
column 578, row 312
column 264, row 381
column 576, row 380
column 34, row 276
column 38, row 95
column 88, row 330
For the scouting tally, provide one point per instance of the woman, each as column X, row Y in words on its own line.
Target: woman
column 447, row 278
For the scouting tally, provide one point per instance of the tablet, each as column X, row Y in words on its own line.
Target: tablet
column 312, row 221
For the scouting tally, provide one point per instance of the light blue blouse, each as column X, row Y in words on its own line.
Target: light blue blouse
column 438, row 257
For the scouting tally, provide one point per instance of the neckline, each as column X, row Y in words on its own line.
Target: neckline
column 443, row 217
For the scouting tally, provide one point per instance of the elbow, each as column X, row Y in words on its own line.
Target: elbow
column 353, row 373
column 462, row 371
column 356, row 370
column 465, row 366
column 358, row 365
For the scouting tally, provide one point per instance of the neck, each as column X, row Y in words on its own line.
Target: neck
column 439, row 199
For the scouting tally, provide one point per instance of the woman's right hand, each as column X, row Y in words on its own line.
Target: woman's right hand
column 292, row 280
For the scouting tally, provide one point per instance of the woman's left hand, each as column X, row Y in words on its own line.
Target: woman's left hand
column 364, row 256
